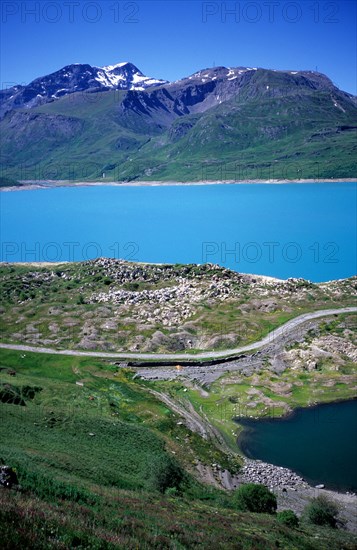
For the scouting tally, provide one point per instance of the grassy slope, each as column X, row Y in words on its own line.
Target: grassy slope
column 128, row 521
column 92, row 491
column 84, row 155
column 124, row 417
column 296, row 134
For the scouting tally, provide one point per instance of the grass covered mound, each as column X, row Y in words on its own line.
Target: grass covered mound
column 86, row 431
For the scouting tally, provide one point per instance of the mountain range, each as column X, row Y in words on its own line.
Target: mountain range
column 114, row 123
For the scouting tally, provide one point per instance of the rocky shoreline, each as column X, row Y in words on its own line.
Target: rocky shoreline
column 27, row 185
column 291, row 490
column 256, row 471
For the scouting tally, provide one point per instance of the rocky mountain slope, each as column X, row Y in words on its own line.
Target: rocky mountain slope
column 115, row 124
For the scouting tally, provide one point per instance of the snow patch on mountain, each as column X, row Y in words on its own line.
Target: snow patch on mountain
column 111, row 67
column 125, row 76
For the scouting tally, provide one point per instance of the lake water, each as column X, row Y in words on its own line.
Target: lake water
column 320, row 443
column 290, row 230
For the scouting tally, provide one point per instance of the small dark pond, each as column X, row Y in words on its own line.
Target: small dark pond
column 319, row 443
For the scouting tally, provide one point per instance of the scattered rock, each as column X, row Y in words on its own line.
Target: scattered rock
column 255, row 471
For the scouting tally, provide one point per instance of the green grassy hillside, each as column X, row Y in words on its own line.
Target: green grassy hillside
column 87, row 458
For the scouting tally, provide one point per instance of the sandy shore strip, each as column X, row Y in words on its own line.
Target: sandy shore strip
column 27, row 185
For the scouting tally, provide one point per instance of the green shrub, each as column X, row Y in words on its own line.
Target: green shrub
column 164, row 473
column 253, row 497
column 288, row 518
column 321, row 511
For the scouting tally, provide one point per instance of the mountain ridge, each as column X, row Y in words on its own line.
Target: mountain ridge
column 117, row 124
column 79, row 77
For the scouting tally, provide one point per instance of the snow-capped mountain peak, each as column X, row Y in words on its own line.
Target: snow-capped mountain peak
column 74, row 78
column 125, row 76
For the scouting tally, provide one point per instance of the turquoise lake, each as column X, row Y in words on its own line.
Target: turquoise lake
column 320, row 443
column 290, row 230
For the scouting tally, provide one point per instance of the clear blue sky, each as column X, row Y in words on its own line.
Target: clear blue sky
column 172, row 39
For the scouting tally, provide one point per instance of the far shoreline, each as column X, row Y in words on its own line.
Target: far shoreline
column 292, row 413
column 29, row 185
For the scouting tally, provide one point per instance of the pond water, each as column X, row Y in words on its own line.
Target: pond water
column 319, row 443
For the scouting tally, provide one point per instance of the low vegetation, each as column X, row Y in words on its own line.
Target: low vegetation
column 126, row 520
